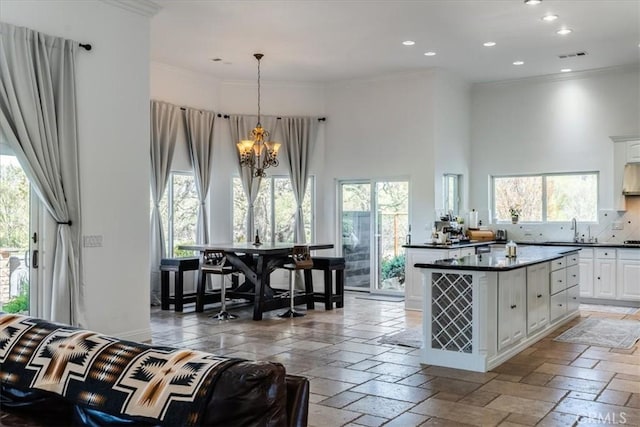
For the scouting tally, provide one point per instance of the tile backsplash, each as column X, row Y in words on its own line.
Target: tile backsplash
column 612, row 227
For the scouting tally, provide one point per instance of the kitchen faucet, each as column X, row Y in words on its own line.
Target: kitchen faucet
column 574, row 227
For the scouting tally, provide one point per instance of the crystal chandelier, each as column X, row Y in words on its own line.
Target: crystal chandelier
column 257, row 152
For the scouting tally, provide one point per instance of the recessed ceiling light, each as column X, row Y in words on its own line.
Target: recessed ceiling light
column 549, row 18
column 489, row 44
column 429, row 54
column 532, row 2
column 566, row 70
column 518, row 62
column 564, row 31
column 408, row 42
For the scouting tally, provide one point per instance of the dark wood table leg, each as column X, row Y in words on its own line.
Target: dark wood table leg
column 164, row 290
column 308, row 289
column 200, row 285
column 261, row 279
column 179, row 291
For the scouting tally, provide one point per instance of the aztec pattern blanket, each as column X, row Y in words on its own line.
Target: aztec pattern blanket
column 160, row 385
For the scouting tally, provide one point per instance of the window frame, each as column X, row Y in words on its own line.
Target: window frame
column 544, row 177
column 311, row 187
column 457, row 178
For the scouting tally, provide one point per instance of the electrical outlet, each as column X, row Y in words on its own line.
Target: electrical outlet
column 92, row 241
column 617, row 225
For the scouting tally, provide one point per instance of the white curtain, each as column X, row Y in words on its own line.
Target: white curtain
column 38, row 119
column 240, row 127
column 299, row 137
column 199, row 126
column 164, row 130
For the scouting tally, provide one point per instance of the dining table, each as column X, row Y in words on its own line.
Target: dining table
column 255, row 262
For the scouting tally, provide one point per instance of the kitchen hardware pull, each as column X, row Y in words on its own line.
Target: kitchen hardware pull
column 539, row 295
column 513, row 306
column 34, row 259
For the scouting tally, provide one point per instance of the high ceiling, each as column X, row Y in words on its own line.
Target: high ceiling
column 329, row 40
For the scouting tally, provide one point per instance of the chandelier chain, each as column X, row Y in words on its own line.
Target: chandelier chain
column 258, row 90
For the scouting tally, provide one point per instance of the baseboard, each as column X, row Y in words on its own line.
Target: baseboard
column 619, row 303
column 139, row 335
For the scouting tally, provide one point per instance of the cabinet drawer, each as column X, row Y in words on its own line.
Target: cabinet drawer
column 586, row 253
column 558, row 281
column 573, row 298
column 467, row 251
column 558, row 306
column 629, row 254
column 573, row 275
column 606, row 253
column 572, row 259
column 559, row 263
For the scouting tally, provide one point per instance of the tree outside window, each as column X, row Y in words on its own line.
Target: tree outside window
column 547, row 197
column 274, row 211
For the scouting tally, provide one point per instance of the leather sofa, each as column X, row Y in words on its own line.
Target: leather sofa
column 53, row 374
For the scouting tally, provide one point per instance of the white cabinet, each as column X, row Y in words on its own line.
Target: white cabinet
column 537, row 297
column 512, row 315
column 628, row 273
column 564, row 286
column 633, row 151
column 585, row 264
column 604, row 271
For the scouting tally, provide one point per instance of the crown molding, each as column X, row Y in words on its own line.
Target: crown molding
column 562, row 76
column 625, row 138
column 141, row 7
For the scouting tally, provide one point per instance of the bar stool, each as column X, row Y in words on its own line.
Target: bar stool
column 215, row 263
column 301, row 258
column 328, row 265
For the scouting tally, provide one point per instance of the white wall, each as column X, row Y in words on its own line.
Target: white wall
column 397, row 126
column 552, row 124
column 113, row 128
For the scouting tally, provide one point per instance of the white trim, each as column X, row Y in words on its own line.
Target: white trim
column 140, row 7
column 558, row 76
column 624, row 138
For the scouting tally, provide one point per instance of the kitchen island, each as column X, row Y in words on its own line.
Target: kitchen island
column 480, row 310
column 428, row 252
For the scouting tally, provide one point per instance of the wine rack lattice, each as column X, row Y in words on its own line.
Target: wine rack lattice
column 452, row 312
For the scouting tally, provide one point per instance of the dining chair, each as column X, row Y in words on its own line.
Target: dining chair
column 215, row 262
column 301, row 257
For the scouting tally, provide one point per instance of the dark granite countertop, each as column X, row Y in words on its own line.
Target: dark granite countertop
column 467, row 244
column 582, row 244
column 496, row 260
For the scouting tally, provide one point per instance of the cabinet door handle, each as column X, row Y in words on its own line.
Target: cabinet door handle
column 513, row 306
column 559, row 305
column 598, row 277
column 539, row 295
column 574, row 275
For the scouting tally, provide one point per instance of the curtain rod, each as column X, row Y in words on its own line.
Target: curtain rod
column 226, row 116
column 85, row 46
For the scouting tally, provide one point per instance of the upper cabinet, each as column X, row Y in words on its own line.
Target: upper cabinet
column 633, row 151
column 625, row 150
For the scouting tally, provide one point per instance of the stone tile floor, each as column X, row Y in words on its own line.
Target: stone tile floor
column 357, row 381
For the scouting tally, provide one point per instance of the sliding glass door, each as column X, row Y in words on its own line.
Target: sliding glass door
column 373, row 227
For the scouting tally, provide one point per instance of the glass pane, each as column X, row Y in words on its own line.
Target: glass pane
column 239, row 212
column 14, row 237
column 285, row 210
column 185, row 212
column 522, row 193
column 262, row 211
column 451, row 193
column 356, row 231
column 392, row 201
column 572, row 196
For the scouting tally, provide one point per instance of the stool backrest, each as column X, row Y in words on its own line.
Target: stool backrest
column 214, row 259
column 302, row 256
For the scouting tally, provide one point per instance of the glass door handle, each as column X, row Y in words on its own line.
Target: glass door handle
column 34, row 259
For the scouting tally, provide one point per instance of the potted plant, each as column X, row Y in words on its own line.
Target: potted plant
column 515, row 214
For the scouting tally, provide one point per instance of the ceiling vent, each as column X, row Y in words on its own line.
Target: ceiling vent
column 572, row 55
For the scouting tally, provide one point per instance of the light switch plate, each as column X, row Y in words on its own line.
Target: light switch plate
column 94, row 241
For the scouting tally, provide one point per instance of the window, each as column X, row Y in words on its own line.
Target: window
column 547, row 197
column 451, row 193
column 274, row 210
column 179, row 211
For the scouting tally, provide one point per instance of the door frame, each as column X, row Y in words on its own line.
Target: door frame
column 374, row 241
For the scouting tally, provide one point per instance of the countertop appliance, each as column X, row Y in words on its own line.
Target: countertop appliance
column 632, row 243
column 501, row 235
